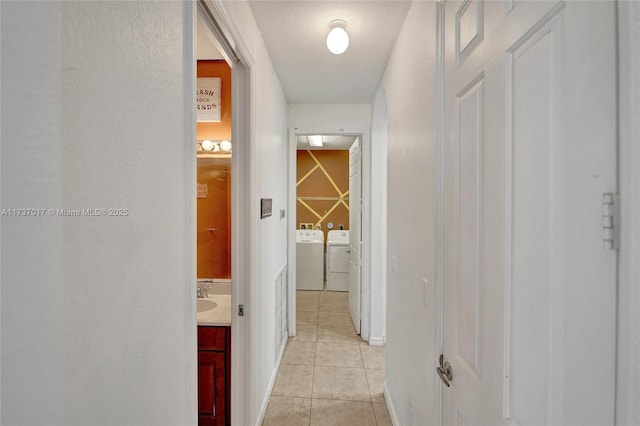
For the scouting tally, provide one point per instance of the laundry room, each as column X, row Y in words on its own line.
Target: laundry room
column 322, row 213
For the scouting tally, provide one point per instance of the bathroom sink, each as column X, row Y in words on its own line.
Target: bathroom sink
column 206, row 305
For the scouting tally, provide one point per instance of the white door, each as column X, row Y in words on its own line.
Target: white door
column 355, row 219
column 530, row 148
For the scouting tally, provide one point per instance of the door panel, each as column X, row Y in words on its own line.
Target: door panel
column 211, row 388
column 536, row 187
column 469, row 111
column 355, row 245
column 529, row 291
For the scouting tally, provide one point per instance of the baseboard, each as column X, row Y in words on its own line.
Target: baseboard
column 377, row 341
column 272, row 382
column 390, row 406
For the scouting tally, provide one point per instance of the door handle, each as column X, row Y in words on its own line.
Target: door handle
column 444, row 371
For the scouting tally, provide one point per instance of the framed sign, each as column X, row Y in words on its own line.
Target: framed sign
column 208, row 100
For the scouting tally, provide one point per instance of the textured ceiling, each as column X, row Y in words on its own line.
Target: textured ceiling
column 295, row 33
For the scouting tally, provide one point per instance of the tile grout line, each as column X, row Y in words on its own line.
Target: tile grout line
column 366, row 376
column 315, row 354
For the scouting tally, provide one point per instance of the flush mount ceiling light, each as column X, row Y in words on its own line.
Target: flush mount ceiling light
column 315, row 140
column 338, row 39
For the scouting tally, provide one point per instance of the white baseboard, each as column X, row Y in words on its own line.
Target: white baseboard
column 377, row 341
column 272, row 382
column 390, row 406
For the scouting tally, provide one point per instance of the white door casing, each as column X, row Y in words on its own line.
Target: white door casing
column 355, row 223
column 529, row 149
column 227, row 39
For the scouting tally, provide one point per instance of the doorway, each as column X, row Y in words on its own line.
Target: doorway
column 328, row 180
column 216, row 29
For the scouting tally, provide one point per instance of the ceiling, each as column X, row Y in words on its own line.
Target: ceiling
column 204, row 46
column 295, row 33
column 329, row 142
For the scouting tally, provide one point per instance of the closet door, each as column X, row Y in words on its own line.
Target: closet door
column 530, row 149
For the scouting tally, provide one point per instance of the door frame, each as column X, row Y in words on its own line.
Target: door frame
column 365, row 278
column 221, row 27
column 628, row 372
column 439, row 223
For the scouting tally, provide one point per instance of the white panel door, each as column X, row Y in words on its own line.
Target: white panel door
column 355, row 220
column 530, row 148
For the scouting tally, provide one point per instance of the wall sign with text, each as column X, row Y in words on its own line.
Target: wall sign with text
column 208, row 99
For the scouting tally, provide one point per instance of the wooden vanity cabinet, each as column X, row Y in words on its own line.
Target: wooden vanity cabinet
column 214, row 375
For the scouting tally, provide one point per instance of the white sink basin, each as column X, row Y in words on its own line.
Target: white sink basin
column 206, row 305
column 214, row 309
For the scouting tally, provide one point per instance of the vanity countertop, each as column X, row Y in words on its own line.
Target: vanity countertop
column 220, row 315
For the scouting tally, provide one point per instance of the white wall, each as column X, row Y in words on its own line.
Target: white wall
column 330, row 118
column 357, row 118
column 410, row 86
column 98, row 313
column 628, row 380
column 268, row 177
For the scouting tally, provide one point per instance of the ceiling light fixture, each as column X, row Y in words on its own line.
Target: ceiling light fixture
column 315, row 140
column 338, row 39
column 207, row 145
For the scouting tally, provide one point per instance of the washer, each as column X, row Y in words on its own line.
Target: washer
column 309, row 260
column 338, row 261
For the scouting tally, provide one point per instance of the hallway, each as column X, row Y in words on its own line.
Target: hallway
column 500, row 207
column 328, row 375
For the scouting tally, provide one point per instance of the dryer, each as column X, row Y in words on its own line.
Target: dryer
column 337, row 265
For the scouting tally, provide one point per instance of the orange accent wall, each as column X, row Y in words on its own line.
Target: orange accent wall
column 222, row 130
column 214, row 211
column 214, row 219
column 317, row 184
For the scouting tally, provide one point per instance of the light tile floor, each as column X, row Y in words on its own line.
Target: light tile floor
column 328, row 375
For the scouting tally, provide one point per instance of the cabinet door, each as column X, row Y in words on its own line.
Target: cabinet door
column 211, row 388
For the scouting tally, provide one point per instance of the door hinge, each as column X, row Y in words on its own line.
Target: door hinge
column 240, row 310
column 610, row 221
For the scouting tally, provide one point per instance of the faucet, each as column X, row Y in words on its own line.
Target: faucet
column 202, row 292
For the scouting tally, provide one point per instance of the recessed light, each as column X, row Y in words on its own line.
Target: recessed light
column 315, row 140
